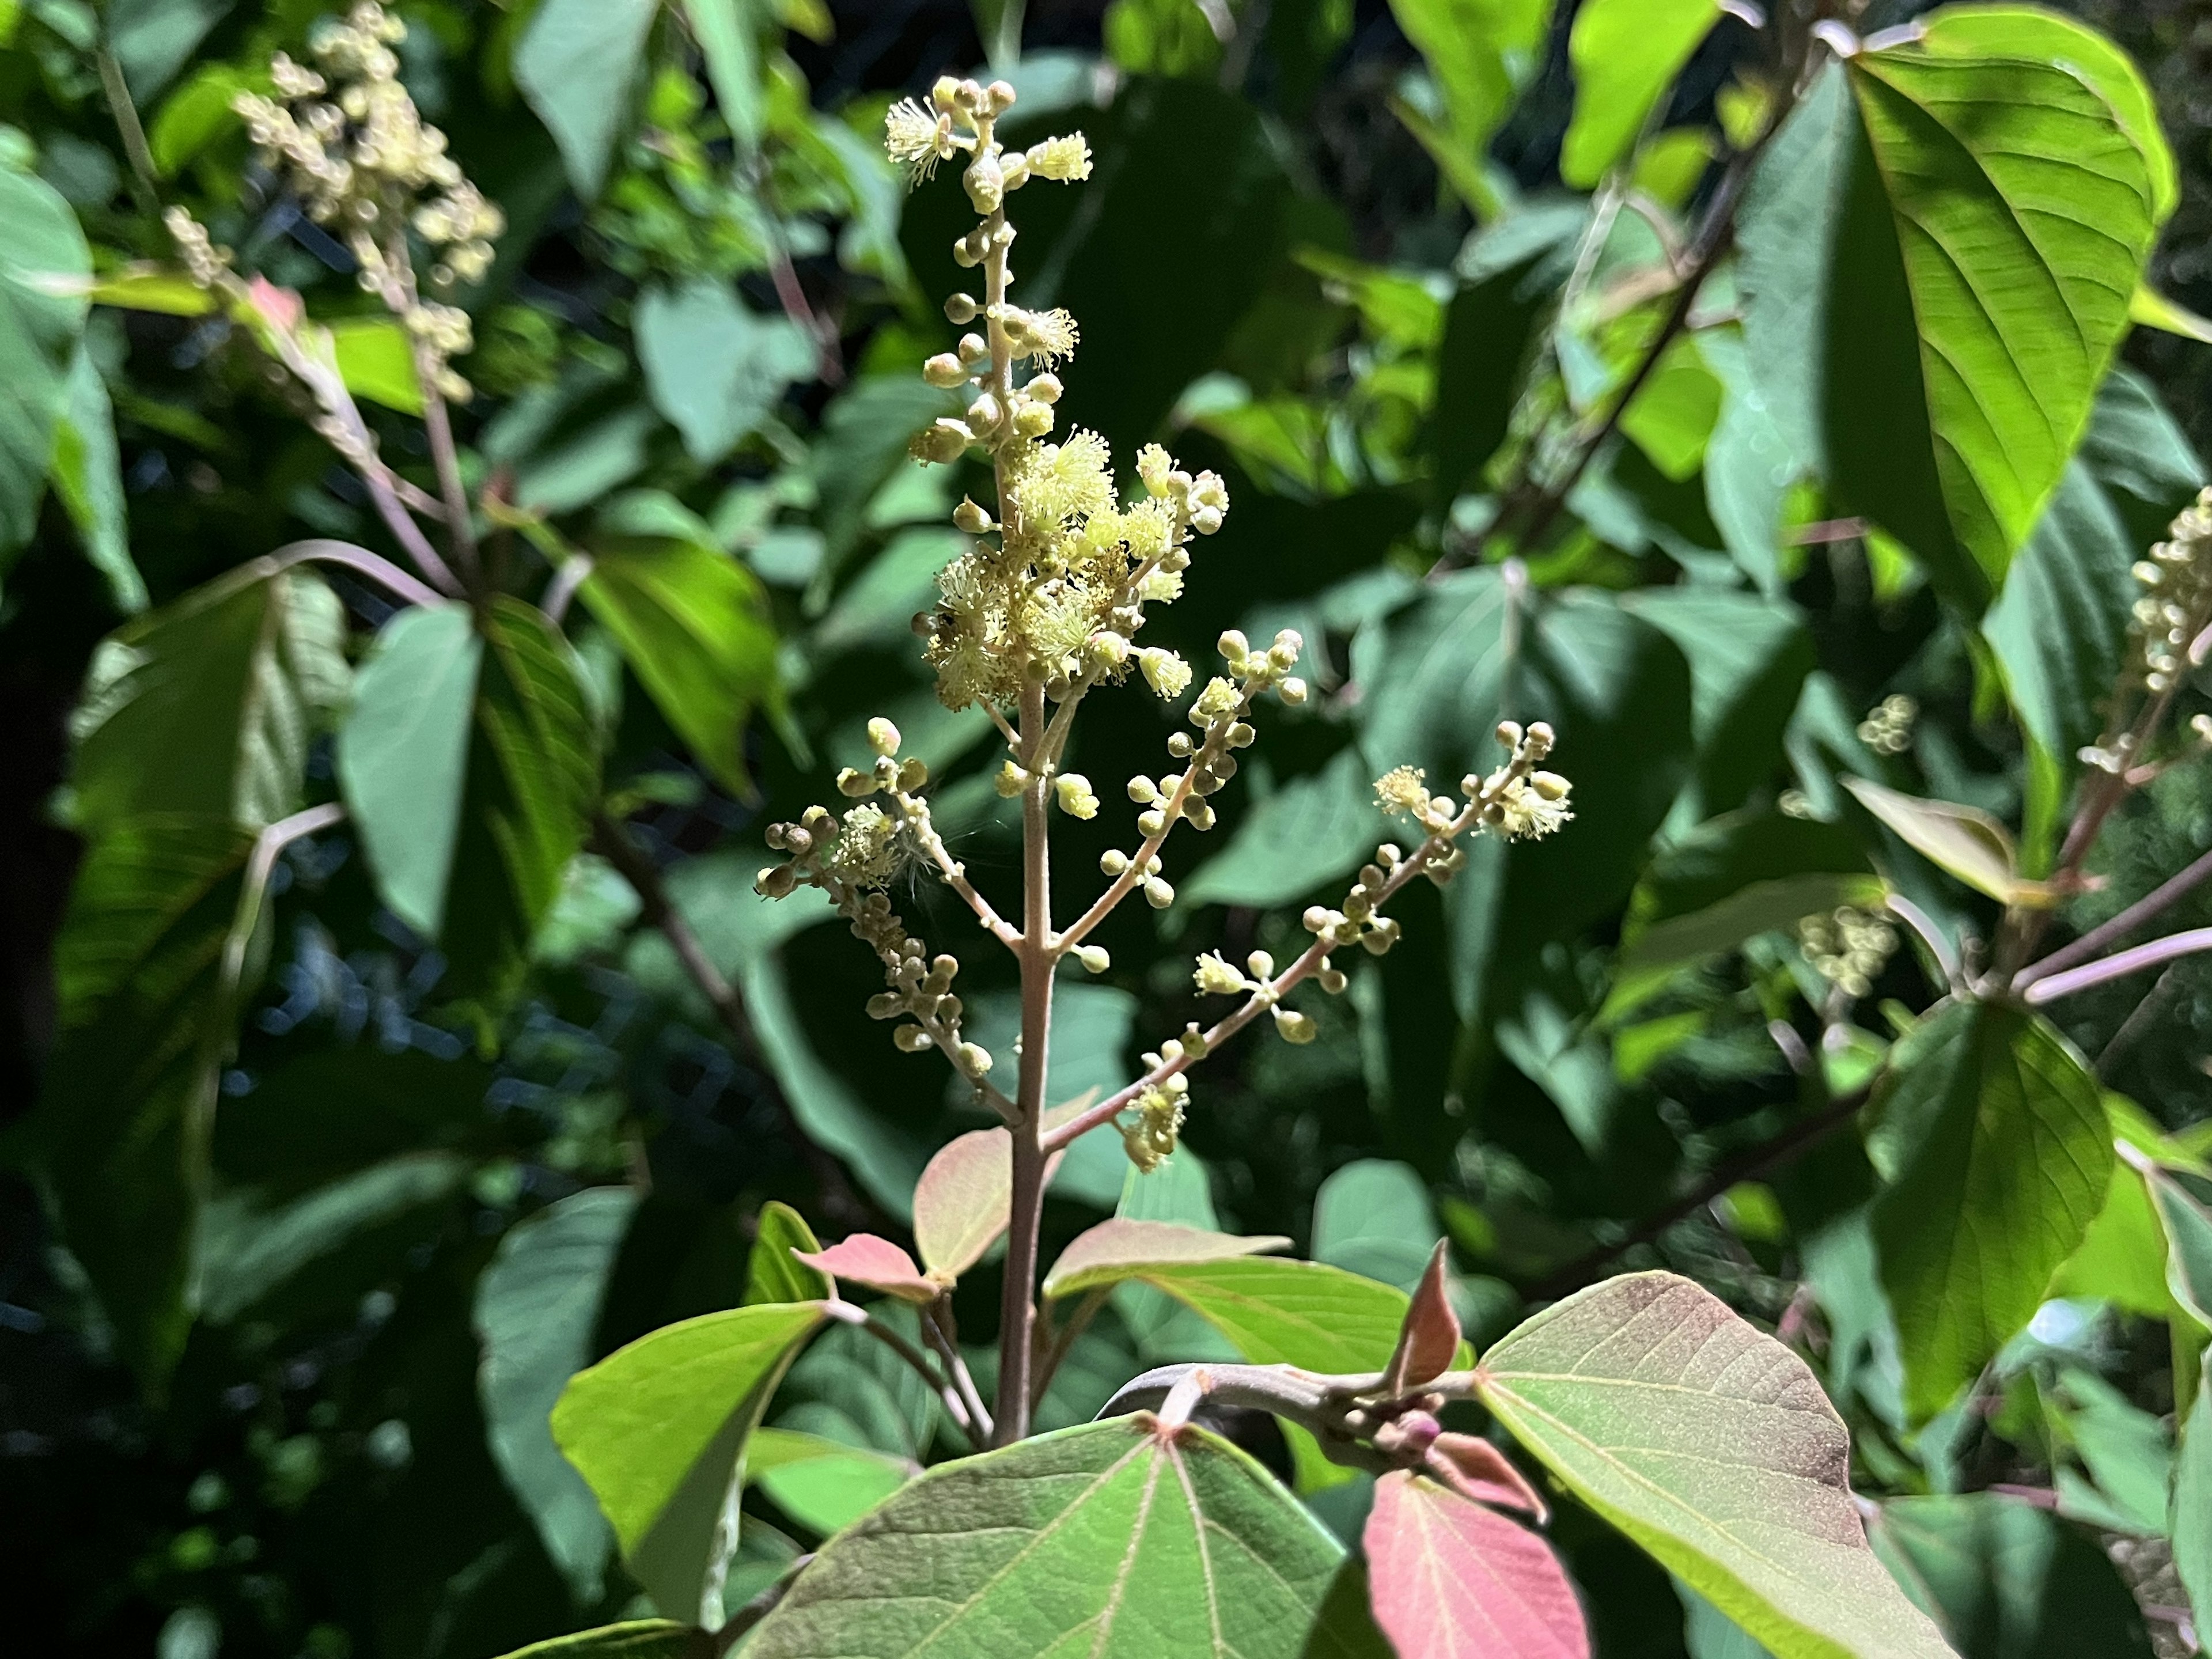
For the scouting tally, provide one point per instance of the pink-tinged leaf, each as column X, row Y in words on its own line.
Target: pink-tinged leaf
column 864, row 1258
column 965, row 1198
column 1449, row 1579
column 1429, row 1340
column 281, row 305
column 1117, row 1249
column 1474, row 1469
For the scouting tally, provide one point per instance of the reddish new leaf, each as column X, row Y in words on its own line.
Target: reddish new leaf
column 1449, row 1579
column 1474, row 1469
column 864, row 1258
column 1429, row 1340
column 965, row 1198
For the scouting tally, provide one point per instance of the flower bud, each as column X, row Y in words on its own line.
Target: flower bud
column 1011, row 781
column 971, row 518
column 1157, row 893
column 1233, row 646
column 975, row 1061
column 944, row 370
column 1541, row 739
column 960, row 309
column 1001, row 94
column 1013, row 169
column 1031, row 420
column 1292, row 1026
column 974, row 348
column 1261, row 964
column 1151, row 823
column 1179, row 745
column 1093, row 958
column 1205, row 520
column 1074, row 794
column 1044, row 388
column 1316, row 919
column 1292, row 691
column 1198, row 815
column 911, row 1039
column 1112, row 863
column 882, row 737
column 984, row 184
column 984, row 415
column 945, row 93
column 1550, row 785
column 856, row 785
column 943, row 440
column 1509, row 733
column 777, row 881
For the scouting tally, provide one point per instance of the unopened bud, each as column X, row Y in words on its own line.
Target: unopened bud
column 777, row 881
column 882, row 737
column 1112, row 863
column 856, row 785
column 1293, row 1026
column 911, row 1039
column 975, row 1061
column 1093, row 958
column 971, row 518
column 1044, row 388
column 944, row 370
column 1157, row 893
column 1011, row 781
column 960, row 309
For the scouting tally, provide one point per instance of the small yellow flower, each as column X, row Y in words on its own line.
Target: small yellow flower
column 1402, row 790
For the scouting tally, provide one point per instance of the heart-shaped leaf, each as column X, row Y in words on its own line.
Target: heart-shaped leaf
column 1122, row 1540
column 1713, row 1447
column 864, row 1258
column 1452, row 1580
column 1429, row 1340
column 659, row 1430
column 1122, row 1248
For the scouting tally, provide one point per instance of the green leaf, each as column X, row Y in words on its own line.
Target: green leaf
column 638, row 1638
column 2190, row 1523
column 715, row 368
column 2007, row 1581
column 659, row 1430
column 44, row 266
column 533, row 773
column 2183, row 1200
column 1963, row 840
column 403, row 755
column 1657, row 953
column 197, row 114
column 2008, row 202
column 152, row 39
column 2123, row 1257
column 1479, row 51
column 1115, row 1539
column 724, row 29
column 1749, row 461
column 823, row 1486
column 1372, row 1217
column 693, row 625
column 146, row 1015
column 2126, row 1450
column 772, row 1274
column 1488, row 333
column 1998, row 1155
column 206, row 707
column 579, row 64
column 377, row 361
column 1625, row 54
column 537, row 1306
column 1712, row 1447
column 1748, row 659
column 2060, row 626
column 88, row 477
column 1122, row 1248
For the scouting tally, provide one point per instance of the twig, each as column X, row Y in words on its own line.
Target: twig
column 847, row 1313
column 378, row 569
column 562, row 588
column 955, row 873
column 613, row 843
column 2110, row 933
column 937, row 1326
column 1763, row 1159
column 2118, row 965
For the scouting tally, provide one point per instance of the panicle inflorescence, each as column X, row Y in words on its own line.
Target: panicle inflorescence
column 347, row 139
column 1847, row 946
column 2171, row 619
column 1888, row 727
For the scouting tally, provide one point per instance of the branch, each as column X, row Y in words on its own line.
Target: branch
column 915, row 813
column 1763, row 1160
column 2120, row 965
column 847, row 1313
column 2110, row 933
column 118, row 93
column 377, row 568
column 613, row 843
column 937, row 1326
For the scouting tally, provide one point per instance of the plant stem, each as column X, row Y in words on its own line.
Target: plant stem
column 2110, row 933
column 937, row 1326
column 1018, row 1316
column 381, row 571
column 954, row 1407
column 1763, row 1159
column 135, row 148
column 843, row 1205
column 2118, row 965
column 1063, row 1340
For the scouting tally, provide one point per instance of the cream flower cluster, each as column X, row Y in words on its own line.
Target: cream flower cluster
column 349, row 139
column 1848, row 947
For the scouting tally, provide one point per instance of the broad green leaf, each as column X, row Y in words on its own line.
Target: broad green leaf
column 638, row 1638
column 693, row 625
column 152, row 39
column 1750, row 462
column 2123, row 1257
column 1449, row 1577
column 1116, row 1540
column 821, row 1484
column 197, row 114
column 1963, row 841
column 1712, row 1446
column 533, row 771
column 151, row 288
column 537, row 1307
column 2006, row 1580
column 1994, row 1141
column 377, row 361
column 1372, row 1217
column 2190, row 1523
column 129, row 1089
column 206, row 707
column 659, row 1430
column 579, row 64
column 403, row 755
column 1479, row 51
column 88, row 477
column 772, row 1274
column 1748, row 659
column 1672, row 416
column 1657, row 953
column 715, row 368
column 1309, row 833
column 263, row 1252
column 44, row 264
column 1489, row 330
column 1709, row 1633
column 1122, row 1248
column 2011, row 205
column 2127, row 1452
column 1625, row 54
column 1432, row 675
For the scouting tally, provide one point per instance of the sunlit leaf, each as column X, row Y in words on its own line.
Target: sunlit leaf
column 1429, row 1340
column 819, row 1483
column 2183, row 1200
column 659, row 1430
column 714, row 367
column 88, row 477
column 1712, row 1446
column 964, row 1199
column 1998, row 1155
column 1450, row 1579
column 864, row 1258
column 2190, row 1523
column 1963, row 841
column 1117, row 1539
column 1625, row 53
column 376, row 359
